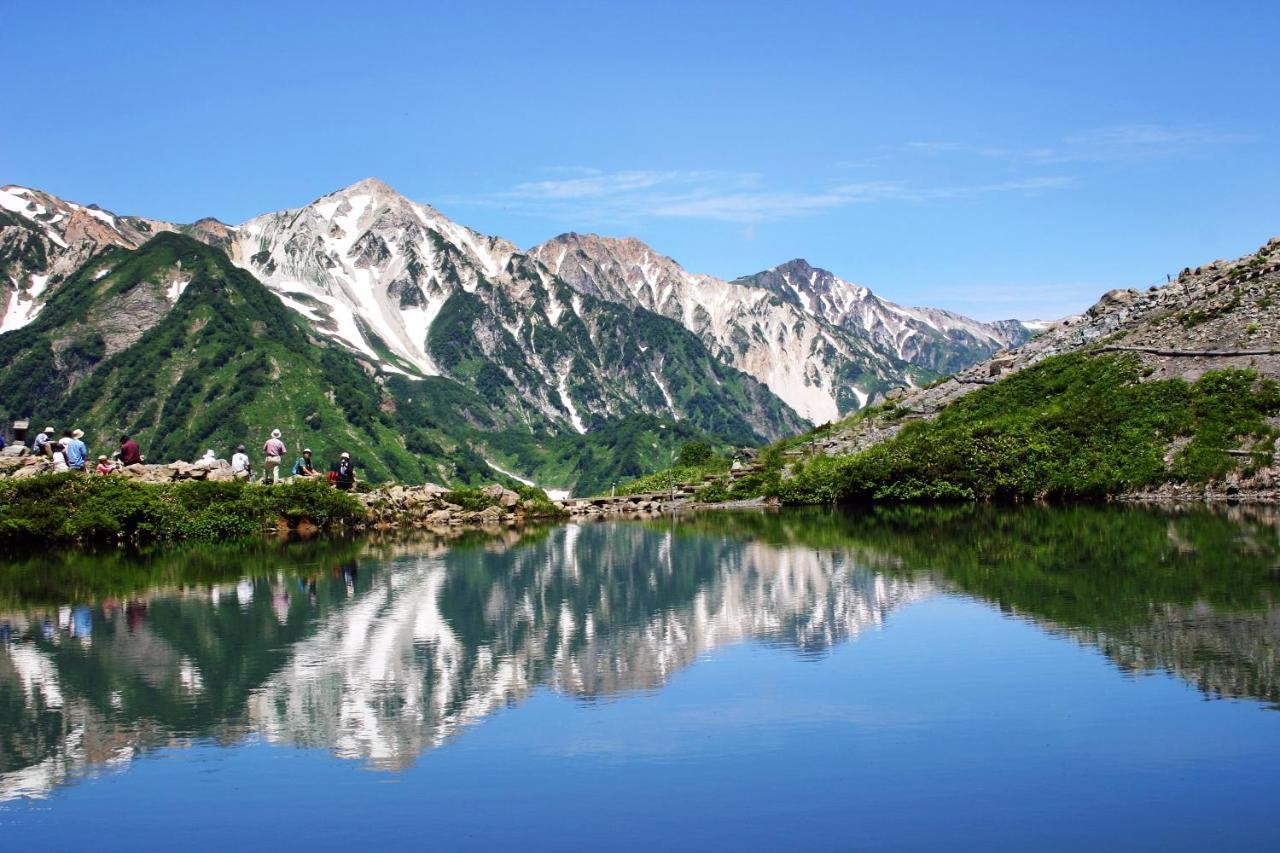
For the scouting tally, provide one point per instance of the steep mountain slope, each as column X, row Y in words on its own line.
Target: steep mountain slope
column 817, row 369
column 176, row 345
column 938, row 340
column 1169, row 391
column 825, row 346
column 44, row 239
column 415, row 293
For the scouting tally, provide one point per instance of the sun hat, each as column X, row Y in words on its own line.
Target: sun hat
column 346, row 455
column 77, row 433
column 239, row 448
column 275, row 433
column 47, row 429
column 102, row 459
column 306, row 450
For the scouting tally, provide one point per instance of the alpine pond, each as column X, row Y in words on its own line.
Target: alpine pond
column 888, row 679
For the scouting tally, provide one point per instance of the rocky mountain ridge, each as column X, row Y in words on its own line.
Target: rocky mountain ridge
column 825, row 346
column 1215, row 316
column 373, row 270
column 417, row 294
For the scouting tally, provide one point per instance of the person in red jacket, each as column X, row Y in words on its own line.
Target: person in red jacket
column 130, row 454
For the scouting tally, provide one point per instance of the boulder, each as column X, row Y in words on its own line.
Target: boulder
column 505, row 497
column 16, row 450
column 1112, row 299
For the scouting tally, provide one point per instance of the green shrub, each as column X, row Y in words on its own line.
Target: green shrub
column 1073, row 426
column 695, row 454
column 77, row 508
column 473, row 500
column 537, row 503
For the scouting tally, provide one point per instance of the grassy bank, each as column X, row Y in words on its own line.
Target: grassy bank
column 1073, row 426
column 78, row 509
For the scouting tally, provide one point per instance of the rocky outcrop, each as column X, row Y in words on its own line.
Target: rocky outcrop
column 1220, row 315
column 428, row 506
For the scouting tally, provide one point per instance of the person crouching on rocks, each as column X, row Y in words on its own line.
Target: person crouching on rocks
column 304, row 467
column 273, row 452
column 105, row 466
column 343, row 475
column 241, row 468
column 43, row 445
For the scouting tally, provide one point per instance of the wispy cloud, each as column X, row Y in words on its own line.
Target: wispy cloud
column 1114, row 143
column 722, row 196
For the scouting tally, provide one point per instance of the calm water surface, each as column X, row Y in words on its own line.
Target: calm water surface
column 965, row 678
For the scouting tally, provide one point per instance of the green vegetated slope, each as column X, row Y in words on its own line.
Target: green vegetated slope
column 1074, row 426
column 611, row 360
column 227, row 362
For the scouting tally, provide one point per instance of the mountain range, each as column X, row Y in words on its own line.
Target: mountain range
column 372, row 321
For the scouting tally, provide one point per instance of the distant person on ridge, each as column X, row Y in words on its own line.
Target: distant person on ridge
column 240, row 465
column 130, row 453
column 273, row 451
column 343, row 474
column 304, row 467
column 76, row 450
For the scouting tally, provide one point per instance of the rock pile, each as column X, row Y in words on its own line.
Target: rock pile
column 17, row 464
column 428, row 506
column 625, row 505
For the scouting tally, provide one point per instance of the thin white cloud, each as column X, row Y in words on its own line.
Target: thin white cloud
column 592, row 195
column 1114, row 143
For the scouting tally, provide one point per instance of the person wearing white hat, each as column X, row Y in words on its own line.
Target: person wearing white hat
column 272, row 452
column 343, row 475
column 41, row 445
column 304, row 467
column 77, row 452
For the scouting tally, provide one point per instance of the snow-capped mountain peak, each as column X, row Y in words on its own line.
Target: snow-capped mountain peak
column 938, row 340
column 370, row 267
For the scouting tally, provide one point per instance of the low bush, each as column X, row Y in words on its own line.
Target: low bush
column 79, row 508
column 473, row 500
column 537, row 503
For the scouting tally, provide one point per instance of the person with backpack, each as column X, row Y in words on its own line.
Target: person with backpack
column 273, row 451
column 343, row 474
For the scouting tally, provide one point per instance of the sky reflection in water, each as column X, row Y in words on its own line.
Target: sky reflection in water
column 972, row 677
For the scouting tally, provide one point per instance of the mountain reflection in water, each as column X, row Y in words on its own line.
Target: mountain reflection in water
column 382, row 651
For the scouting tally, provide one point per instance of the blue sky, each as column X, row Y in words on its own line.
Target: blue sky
column 1001, row 159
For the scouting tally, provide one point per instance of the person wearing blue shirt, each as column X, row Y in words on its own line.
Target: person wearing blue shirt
column 76, row 450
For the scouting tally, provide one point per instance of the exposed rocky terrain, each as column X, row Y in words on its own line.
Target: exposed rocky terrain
column 1220, row 315
column 44, row 239
column 824, row 345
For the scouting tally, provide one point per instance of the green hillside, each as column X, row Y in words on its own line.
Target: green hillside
column 1080, row 425
column 227, row 362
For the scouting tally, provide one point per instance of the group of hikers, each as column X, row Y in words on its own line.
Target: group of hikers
column 70, row 453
